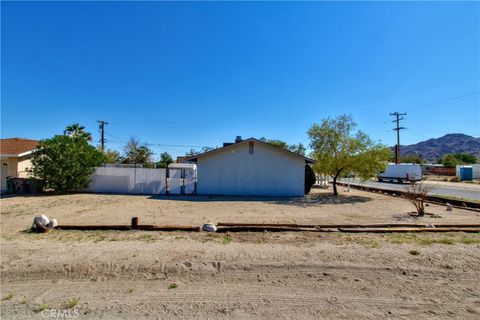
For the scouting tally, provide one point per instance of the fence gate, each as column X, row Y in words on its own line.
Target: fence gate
column 189, row 181
column 181, row 180
column 175, row 181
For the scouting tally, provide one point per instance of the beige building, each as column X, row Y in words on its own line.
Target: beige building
column 15, row 155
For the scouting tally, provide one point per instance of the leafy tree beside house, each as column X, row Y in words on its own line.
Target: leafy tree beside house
column 112, row 156
column 341, row 150
column 65, row 163
column 297, row 148
column 194, row 152
column 454, row 159
column 137, row 153
column 165, row 160
column 310, row 178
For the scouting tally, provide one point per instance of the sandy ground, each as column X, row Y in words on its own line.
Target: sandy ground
column 317, row 208
column 160, row 275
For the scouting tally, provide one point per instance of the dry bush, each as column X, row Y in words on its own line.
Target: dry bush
column 416, row 193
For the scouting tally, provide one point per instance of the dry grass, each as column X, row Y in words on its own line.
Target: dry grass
column 72, row 302
column 426, row 239
column 8, row 296
column 40, row 307
column 260, row 238
column 227, row 239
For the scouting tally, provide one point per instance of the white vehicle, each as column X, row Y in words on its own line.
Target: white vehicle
column 402, row 172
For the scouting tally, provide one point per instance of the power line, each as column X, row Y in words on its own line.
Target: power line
column 442, row 101
column 398, row 118
column 173, row 145
column 119, row 139
column 418, row 134
column 123, row 140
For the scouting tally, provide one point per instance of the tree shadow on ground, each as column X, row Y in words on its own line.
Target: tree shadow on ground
column 306, row 201
column 412, row 216
column 319, row 199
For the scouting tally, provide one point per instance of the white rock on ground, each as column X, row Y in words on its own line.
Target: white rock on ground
column 209, row 227
column 43, row 220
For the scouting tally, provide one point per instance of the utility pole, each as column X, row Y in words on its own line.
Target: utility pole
column 398, row 118
column 102, row 128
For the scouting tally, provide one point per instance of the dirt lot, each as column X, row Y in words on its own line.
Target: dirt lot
column 304, row 275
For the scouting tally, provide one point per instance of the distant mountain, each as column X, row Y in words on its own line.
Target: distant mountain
column 433, row 149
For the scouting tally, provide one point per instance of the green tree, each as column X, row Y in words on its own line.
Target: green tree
column 165, row 160
column 411, row 159
column 340, row 150
column 112, row 156
column 449, row 160
column 65, row 163
column 465, row 158
column 137, row 153
column 297, row 148
column 276, row 143
column 454, row 159
column 194, row 152
column 76, row 130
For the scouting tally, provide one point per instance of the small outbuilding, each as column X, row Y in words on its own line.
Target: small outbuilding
column 250, row 168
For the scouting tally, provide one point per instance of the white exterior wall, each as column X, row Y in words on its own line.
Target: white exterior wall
column 128, row 180
column 476, row 171
column 266, row 172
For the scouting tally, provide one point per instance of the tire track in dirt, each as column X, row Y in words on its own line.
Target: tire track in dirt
column 244, row 294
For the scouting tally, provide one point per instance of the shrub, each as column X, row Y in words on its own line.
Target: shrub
column 454, row 179
column 309, row 178
column 64, row 163
column 416, row 193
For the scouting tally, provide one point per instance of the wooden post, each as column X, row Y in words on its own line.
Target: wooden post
column 134, row 222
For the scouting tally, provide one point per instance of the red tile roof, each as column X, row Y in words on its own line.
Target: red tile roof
column 17, row 145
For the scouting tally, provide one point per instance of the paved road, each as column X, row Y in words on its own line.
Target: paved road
column 440, row 188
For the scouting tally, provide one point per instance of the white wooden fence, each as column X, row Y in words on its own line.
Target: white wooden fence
column 142, row 181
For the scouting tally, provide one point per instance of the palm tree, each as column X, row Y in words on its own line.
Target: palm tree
column 76, row 130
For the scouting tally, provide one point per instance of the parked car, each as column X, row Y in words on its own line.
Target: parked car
column 403, row 172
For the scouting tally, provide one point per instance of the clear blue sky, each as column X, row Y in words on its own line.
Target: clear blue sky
column 201, row 73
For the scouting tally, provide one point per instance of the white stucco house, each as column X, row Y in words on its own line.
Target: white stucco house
column 250, row 168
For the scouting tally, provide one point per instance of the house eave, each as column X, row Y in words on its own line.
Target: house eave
column 14, row 155
column 195, row 158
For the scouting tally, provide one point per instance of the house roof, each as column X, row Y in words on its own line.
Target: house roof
column 194, row 158
column 15, row 147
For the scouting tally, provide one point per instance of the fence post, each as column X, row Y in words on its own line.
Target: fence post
column 134, row 222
